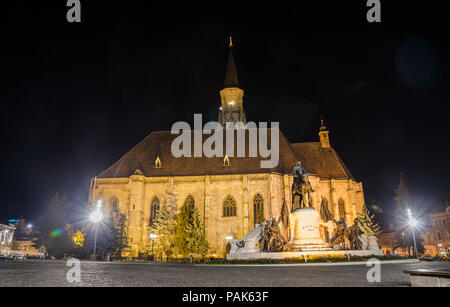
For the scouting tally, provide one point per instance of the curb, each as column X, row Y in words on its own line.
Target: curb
column 407, row 261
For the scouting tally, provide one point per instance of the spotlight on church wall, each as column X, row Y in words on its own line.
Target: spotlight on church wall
column 229, row 238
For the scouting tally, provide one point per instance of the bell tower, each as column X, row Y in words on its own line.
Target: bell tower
column 231, row 107
column 323, row 135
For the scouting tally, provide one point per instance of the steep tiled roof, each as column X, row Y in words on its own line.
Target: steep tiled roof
column 323, row 162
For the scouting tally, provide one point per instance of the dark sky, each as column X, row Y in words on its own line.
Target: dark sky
column 76, row 97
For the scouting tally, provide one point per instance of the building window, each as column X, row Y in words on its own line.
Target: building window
column 158, row 162
column 258, row 209
column 226, row 161
column 229, row 206
column 439, row 236
column 154, row 208
column 341, row 205
column 189, row 201
column 114, row 203
column 444, row 222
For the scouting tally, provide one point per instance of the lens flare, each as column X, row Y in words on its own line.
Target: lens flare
column 56, row 233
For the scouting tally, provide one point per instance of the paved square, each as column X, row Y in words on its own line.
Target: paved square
column 53, row 273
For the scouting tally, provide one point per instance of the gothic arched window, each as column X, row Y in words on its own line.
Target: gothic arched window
column 341, row 205
column 229, row 206
column 258, row 209
column 114, row 205
column 154, row 208
column 189, row 201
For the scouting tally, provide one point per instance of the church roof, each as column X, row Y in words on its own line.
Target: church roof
column 315, row 159
column 324, row 162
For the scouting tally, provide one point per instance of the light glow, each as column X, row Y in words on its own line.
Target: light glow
column 412, row 222
column 96, row 216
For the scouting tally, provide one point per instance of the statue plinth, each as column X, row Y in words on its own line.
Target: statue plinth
column 305, row 232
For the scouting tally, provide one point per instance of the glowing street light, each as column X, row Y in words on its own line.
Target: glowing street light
column 229, row 238
column 413, row 224
column 96, row 217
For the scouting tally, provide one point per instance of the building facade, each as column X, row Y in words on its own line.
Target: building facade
column 434, row 232
column 436, row 238
column 232, row 193
column 6, row 238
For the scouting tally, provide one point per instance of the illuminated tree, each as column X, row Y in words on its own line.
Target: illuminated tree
column 163, row 226
column 366, row 223
column 189, row 232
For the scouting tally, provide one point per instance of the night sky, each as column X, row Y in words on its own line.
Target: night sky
column 76, row 97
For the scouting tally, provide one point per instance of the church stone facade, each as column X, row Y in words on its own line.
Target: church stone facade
column 232, row 194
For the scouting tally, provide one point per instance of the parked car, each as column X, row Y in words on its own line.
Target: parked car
column 3, row 258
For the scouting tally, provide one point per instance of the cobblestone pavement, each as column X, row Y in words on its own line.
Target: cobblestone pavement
column 53, row 273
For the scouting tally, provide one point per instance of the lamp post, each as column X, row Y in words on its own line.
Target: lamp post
column 413, row 224
column 153, row 237
column 96, row 217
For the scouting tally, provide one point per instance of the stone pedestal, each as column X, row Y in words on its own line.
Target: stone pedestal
column 372, row 243
column 305, row 223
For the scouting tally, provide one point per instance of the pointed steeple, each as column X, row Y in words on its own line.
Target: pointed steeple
column 231, row 96
column 323, row 134
column 231, row 76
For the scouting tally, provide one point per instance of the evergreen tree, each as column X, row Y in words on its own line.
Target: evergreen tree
column 402, row 197
column 112, row 238
column 366, row 223
column 198, row 243
column 120, row 238
column 189, row 232
column 105, row 235
column 163, row 227
column 404, row 202
column 54, row 231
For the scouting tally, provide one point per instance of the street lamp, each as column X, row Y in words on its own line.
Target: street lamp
column 153, row 237
column 96, row 217
column 413, row 224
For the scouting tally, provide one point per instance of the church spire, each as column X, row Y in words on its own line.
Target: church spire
column 231, row 77
column 323, row 134
column 231, row 107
